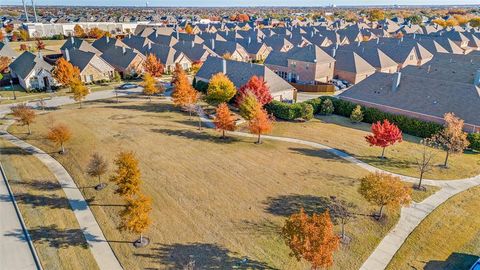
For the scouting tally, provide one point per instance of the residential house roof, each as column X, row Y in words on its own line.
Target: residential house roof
column 27, row 62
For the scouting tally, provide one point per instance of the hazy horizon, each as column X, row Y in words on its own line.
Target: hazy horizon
column 243, row 3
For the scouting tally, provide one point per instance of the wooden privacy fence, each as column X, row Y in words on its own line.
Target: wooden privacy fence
column 323, row 88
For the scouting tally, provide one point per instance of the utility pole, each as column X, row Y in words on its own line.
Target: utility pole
column 34, row 11
column 25, row 10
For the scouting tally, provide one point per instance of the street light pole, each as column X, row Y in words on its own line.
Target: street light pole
column 13, row 89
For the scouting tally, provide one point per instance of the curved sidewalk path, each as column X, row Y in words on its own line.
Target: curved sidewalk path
column 410, row 216
column 100, row 248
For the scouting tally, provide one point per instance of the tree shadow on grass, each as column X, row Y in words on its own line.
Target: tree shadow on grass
column 39, row 185
column 456, row 261
column 146, row 107
column 286, row 205
column 53, row 201
column 195, row 135
column 201, row 256
column 318, row 153
column 56, row 237
column 390, row 162
column 264, row 227
column 14, row 151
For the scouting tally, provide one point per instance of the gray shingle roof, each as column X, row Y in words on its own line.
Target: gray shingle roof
column 26, row 62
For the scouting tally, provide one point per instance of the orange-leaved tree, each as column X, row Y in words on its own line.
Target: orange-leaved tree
column 78, row 31
column 4, row 63
column 127, row 175
column 258, row 87
column 188, row 29
column 384, row 189
column 311, row 238
column 384, row 134
column 153, row 65
column 65, row 72
column 184, row 95
column 39, row 44
column 150, row 86
column 224, row 120
column 136, row 217
column 59, row 134
column 452, row 139
column 260, row 124
column 24, row 115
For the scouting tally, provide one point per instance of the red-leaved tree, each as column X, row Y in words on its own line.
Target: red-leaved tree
column 258, row 87
column 384, row 134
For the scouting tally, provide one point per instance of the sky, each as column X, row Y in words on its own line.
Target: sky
column 217, row 3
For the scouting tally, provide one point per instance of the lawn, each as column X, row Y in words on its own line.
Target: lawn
column 55, row 232
column 215, row 202
column 339, row 132
column 51, row 46
column 447, row 239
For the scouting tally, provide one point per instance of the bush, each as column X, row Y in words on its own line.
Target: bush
column 474, row 139
column 357, row 114
column 284, row 111
column 307, row 111
column 327, row 107
column 316, row 103
column 201, row 86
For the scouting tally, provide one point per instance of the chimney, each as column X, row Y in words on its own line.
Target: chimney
column 477, row 78
column 414, row 35
column 378, row 41
column 193, row 44
column 124, row 50
column 429, row 68
column 107, row 39
column 249, row 40
column 359, row 43
column 72, row 39
column 178, row 35
column 149, row 46
column 396, row 81
column 156, row 34
column 34, row 11
column 213, row 44
column 334, row 52
column 25, row 10
column 67, row 55
column 224, row 66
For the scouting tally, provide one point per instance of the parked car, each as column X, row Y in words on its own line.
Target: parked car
column 128, row 86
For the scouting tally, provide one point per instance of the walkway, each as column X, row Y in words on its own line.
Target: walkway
column 14, row 253
column 410, row 217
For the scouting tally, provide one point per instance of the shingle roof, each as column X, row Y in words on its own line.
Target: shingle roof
column 80, row 59
column 120, row 57
column 74, row 43
column 5, row 50
column 351, row 62
column 104, row 43
column 26, row 62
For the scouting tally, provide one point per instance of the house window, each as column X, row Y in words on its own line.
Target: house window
column 411, row 57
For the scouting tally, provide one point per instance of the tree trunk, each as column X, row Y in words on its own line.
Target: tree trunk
column 63, row 148
column 383, row 152
column 259, row 139
column 223, row 133
column 190, row 113
column 446, row 159
column 380, row 213
column 343, row 230
column 116, row 96
column 141, row 238
column 29, row 130
column 80, row 103
column 199, row 122
column 99, row 180
column 420, row 181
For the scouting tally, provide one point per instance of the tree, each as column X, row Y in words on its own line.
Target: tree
column 40, row 45
column 116, row 76
column 127, row 175
column 78, row 31
column 184, row 94
column 384, row 134
column 249, row 106
column 243, row 18
column 65, row 72
column 24, row 47
column 2, row 36
column 4, row 63
column 23, row 35
column 79, row 90
column 136, row 217
column 424, row 161
column 227, row 56
column 24, row 115
column 475, row 22
column 258, row 87
column 260, row 124
column 220, row 89
column 357, row 115
column 188, row 29
column 376, row 15
column 149, row 86
column 327, row 107
column 153, row 66
column 96, row 168
column 342, row 213
column 383, row 189
column 178, row 74
column 96, row 33
column 451, row 139
column 224, row 121
column 311, row 238
column 306, row 111
column 59, row 134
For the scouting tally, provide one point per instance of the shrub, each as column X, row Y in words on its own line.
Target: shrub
column 316, row 103
column 307, row 111
column 327, row 107
column 284, row 111
column 474, row 139
column 201, row 86
column 357, row 114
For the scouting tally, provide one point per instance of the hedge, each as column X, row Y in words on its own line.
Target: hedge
column 474, row 139
column 284, row 111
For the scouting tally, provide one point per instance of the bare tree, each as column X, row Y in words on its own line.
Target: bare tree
column 342, row 213
column 424, row 161
column 96, row 168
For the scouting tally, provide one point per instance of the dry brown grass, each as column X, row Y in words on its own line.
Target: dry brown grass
column 55, row 232
column 219, row 201
column 340, row 133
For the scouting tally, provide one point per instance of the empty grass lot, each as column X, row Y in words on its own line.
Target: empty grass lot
column 339, row 132
column 216, row 202
column 55, row 232
column 447, row 239
column 51, row 46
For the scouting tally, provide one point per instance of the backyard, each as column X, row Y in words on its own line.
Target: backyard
column 219, row 203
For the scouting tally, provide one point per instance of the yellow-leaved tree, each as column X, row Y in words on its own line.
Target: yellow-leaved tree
column 79, row 90
column 150, row 87
column 136, row 217
column 127, row 175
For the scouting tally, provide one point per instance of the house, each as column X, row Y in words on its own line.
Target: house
column 305, row 65
column 197, row 53
column 6, row 51
column 257, row 51
column 233, row 49
column 126, row 61
column 420, row 96
column 136, row 42
column 168, row 56
column 32, row 71
column 104, row 43
column 92, row 67
column 74, row 43
column 240, row 72
column 351, row 67
column 278, row 43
